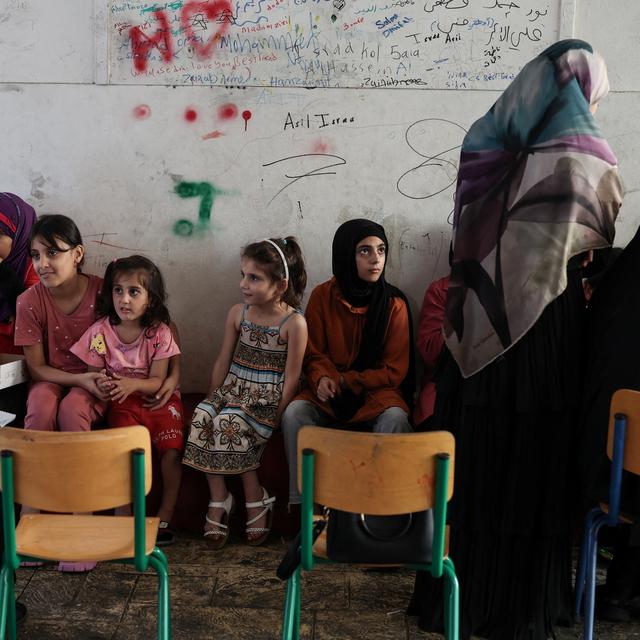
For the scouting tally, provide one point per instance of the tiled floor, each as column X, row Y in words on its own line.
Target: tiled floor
column 227, row 595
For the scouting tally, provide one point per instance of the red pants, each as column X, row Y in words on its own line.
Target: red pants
column 51, row 406
column 165, row 424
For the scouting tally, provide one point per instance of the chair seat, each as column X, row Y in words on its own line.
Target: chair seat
column 320, row 547
column 621, row 516
column 75, row 538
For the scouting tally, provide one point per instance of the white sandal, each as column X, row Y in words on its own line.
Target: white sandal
column 267, row 503
column 217, row 538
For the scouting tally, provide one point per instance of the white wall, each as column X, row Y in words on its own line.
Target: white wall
column 74, row 147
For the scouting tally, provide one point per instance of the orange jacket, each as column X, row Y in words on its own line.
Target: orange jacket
column 335, row 331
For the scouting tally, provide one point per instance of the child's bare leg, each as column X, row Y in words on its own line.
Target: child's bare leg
column 171, row 470
column 252, row 493
column 217, row 493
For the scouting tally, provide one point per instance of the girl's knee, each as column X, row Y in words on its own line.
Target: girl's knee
column 170, row 455
column 42, row 406
column 76, row 411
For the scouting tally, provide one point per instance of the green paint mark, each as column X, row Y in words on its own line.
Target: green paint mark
column 207, row 192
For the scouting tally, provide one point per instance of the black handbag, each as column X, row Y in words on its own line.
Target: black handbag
column 398, row 539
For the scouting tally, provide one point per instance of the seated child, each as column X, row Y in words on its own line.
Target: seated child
column 50, row 317
column 132, row 343
column 254, row 377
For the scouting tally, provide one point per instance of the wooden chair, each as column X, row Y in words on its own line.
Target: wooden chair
column 78, row 472
column 623, row 449
column 377, row 474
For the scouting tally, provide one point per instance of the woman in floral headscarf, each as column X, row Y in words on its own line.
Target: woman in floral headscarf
column 537, row 191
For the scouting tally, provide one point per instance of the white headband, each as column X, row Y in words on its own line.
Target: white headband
column 284, row 260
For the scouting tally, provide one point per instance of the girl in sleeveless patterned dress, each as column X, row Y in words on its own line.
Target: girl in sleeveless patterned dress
column 254, row 377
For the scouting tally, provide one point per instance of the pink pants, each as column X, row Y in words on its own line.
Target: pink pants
column 51, row 406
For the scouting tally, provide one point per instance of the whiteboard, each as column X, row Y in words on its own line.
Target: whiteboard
column 45, row 41
column 445, row 44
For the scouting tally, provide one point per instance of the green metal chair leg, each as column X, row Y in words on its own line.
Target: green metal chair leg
column 9, row 585
column 296, row 604
column 288, row 613
column 164, row 606
column 452, row 604
column 4, row 601
column 446, row 587
column 159, row 553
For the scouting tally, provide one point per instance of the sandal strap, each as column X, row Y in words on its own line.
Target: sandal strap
column 256, row 529
column 265, row 502
column 262, row 513
column 218, row 524
column 226, row 504
column 214, row 532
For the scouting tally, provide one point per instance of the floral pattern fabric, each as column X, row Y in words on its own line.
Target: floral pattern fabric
column 230, row 430
column 537, row 185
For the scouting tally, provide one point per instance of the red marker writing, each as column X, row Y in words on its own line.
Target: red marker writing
column 246, row 116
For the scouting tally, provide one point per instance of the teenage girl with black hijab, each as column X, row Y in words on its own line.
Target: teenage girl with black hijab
column 359, row 360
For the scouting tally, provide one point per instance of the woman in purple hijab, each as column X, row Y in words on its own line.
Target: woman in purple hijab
column 16, row 272
column 537, row 191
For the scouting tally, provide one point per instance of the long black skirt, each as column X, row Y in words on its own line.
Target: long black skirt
column 511, row 515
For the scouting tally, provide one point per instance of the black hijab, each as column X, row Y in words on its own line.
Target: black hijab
column 376, row 296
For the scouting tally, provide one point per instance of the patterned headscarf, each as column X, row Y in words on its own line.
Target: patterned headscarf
column 537, row 185
column 16, row 219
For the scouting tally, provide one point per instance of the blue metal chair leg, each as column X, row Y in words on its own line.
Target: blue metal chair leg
column 584, row 556
column 590, row 591
column 164, row 606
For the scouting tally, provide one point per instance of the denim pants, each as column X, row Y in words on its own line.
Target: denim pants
column 301, row 412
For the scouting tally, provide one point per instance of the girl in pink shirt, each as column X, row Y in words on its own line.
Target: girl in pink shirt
column 50, row 317
column 131, row 344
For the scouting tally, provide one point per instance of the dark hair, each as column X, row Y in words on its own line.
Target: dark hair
column 267, row 256
column 152, row 281
column 55, row 227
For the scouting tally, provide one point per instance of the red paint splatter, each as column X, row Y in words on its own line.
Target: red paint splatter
column 141, row 43
column 246, row 116
column 190, row 115
column 227, row 111
column 218, row 11
column 320, row 146
column 142, row 111
column 213, row 135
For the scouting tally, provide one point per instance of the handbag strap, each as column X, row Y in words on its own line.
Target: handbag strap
column 293, row 556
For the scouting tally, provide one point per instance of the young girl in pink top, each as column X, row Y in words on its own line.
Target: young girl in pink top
column 50, row 317
column 131, row 343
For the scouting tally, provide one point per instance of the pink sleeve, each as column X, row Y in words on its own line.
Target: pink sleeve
column 162, row 345
column 86, row 347
column 30, row 319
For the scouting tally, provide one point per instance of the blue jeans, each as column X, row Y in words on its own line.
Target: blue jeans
column 302, row 412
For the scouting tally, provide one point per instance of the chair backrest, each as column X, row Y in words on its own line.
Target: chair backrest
column 75, row 471
column 627, row 402
column 375, row 473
